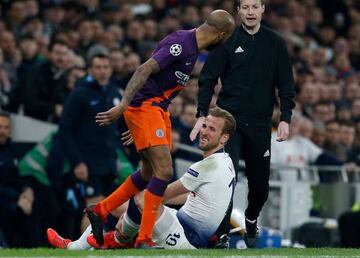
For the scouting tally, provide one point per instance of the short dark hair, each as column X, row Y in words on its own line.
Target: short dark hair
column 4, row 114
column 237, row 2
column 54, row 42
column 230, row 123
column 98, row 55
column 347, row 123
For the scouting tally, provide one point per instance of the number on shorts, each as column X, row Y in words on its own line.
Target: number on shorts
column 172, row 239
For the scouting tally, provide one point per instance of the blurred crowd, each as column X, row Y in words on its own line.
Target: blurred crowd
column 46, row 47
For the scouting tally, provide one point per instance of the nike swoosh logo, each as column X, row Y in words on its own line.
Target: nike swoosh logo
column 187, row 63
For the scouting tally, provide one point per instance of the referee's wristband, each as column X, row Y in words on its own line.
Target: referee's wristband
column 200, row 114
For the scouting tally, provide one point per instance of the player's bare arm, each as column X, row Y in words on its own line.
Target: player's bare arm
column 174, row 190
column 138, row 79
column 136, row 82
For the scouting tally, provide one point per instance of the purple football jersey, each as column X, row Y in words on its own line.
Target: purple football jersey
column 176, row 54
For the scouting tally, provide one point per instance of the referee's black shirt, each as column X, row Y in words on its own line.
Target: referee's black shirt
column 250, row 68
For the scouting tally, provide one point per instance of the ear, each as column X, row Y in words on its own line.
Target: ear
column 263, row 8
column 224, row 139
column 238, row 9
column 221, row 37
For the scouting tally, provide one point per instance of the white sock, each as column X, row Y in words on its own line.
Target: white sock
column 129, row 229
column 81, row 243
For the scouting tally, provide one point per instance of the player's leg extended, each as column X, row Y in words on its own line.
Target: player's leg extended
column 132, row 185
column 125, row 231
column 161, row 163
column 139, row 121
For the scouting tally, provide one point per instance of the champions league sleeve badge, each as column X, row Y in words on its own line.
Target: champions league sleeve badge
column 175, row 49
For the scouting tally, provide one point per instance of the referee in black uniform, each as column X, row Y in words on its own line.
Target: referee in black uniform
column 251, row 65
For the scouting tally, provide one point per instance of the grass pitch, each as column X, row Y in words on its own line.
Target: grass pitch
column 263, row 253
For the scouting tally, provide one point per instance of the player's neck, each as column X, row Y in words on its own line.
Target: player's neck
column 201, row 38
column 252, row 30
column 218, row 149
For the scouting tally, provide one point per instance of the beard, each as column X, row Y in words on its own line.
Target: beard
column 208, row 146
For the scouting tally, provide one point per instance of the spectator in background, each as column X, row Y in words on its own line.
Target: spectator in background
column 298, row 151
column 176, row 109
column 117, row 60
column 343, row 112
column 322, row 112
column 18, row 215
column 31, row 8
column 30, row 58
column 16, row 14
column 44, row 84
column 54, row 15
column 318, row 136
column 352, row 91
column 188, row 120
column 11, row 54
column 86, row 36
column 355, row 109
column 346, row 140
column 190, row 91
column 91, row 149
column 306, row 128
column 5, row 83
column 132, row 61
column 331, row 144
column 309, row 96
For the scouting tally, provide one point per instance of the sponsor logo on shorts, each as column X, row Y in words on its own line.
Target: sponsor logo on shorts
column 160, row 133
column 172, row 239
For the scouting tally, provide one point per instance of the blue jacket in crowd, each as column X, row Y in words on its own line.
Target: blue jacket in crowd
column 84, row 140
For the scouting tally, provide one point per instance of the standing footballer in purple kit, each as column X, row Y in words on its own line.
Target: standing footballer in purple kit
column 144, row 105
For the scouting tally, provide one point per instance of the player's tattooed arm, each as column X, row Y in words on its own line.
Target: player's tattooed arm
column 139, row 78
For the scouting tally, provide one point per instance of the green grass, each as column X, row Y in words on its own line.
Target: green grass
column 263, row 253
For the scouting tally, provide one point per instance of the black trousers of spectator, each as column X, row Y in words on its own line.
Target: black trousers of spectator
column 349, row 227
column 251, row 143
column 19, row 229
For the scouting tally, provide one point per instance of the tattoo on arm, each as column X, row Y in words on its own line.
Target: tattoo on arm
column 138, row 79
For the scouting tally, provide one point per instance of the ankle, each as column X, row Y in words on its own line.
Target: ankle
column 101, row 211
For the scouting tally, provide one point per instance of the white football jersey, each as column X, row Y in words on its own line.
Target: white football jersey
column 298, row 151
column 211, row 182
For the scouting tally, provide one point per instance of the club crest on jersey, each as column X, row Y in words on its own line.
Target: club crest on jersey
column 193, row 172
column 160, row 133
column 175, row 49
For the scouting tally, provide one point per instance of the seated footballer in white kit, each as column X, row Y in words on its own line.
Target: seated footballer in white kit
column 206, row 190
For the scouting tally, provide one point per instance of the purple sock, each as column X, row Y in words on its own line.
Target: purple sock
column 138, row 181
column 157, row 186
